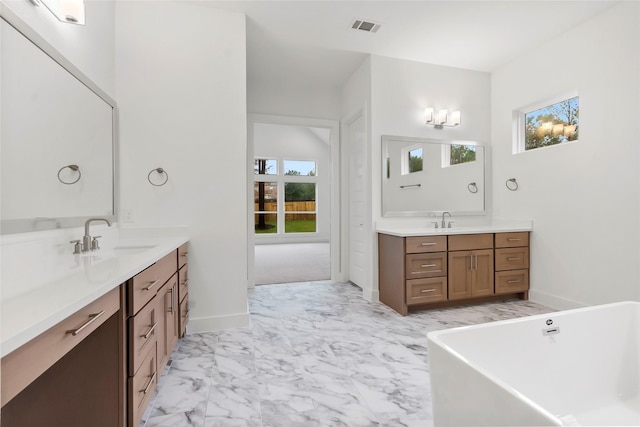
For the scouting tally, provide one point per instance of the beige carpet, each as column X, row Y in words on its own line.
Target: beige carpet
column 296, row 262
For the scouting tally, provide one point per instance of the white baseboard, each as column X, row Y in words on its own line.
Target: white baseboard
column 371, row 295
column 554, row 301
column 216, row 323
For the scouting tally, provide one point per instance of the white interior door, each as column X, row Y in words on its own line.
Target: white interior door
column 358, row 266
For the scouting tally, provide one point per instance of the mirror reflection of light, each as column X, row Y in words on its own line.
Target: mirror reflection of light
column 68, row 11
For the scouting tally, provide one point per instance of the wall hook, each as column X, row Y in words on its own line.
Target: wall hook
column 511, row 184
column 159, row 171
column 74, row 168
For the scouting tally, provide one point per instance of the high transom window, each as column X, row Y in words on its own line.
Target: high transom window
column 544, row 126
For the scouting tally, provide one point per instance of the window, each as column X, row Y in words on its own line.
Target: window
column 300, row 207
column 552, row 124
column 297, row 212
column 265, row 196
column 265, row 167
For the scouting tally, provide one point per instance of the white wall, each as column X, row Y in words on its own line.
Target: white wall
column 295, row 101
column 272, row 141
column 180, row 84
column 583, row 197
column 400, row 92
column 90, row 47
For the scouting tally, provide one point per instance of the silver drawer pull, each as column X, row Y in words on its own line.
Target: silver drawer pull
column 151, row 380
column 427, row 265
column 514, row 281
column 92, row 318
column 428, row 243
column 424, row 291
column 422, row 272
column 171, row 307
column 151, row 285
column 513, row 239
column 513, row 259
column 150, row 331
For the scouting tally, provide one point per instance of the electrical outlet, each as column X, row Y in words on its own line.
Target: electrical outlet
column 126, row 215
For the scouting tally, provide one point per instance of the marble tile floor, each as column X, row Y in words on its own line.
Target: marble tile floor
column 316, row 354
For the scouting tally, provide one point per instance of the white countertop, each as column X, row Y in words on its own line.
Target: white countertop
column 408, row 229
column 27, row 314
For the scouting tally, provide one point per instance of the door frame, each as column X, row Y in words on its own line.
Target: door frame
column 333, row 126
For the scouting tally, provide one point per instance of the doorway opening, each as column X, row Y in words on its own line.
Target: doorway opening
column 292, row 180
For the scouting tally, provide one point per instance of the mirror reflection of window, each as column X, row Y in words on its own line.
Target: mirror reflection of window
column 415, row 160
column 412, row 160
column 462, row 154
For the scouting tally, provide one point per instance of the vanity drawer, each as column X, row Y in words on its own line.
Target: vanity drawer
column 512, row 258
column 183, row 282
column 22, row 366
column 512, row 281
column 184, row 315
column 182, row 255
column 142, row 386
column 511, row 240
column 143, row 330
column 426, row 244
column 468, row 242
column 421, row 291
column 426, row 265
column 145, row 284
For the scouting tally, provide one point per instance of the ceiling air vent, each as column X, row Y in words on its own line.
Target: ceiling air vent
column 370, row 27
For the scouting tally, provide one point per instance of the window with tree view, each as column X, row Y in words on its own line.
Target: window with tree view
column 296, row 213
column 462, row 154
column 551, row 125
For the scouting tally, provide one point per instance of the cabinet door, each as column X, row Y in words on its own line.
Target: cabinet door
column 482, row 273
column 470, row 274
column 460, row 275
column 167, row 303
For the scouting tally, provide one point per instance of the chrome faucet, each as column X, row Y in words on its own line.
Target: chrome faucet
column 443, row 214
column 91, row 243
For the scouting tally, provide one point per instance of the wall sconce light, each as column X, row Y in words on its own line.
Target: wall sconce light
column 441, row 118
column 69, row 11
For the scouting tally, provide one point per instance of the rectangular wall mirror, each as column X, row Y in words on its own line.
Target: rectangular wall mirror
column 422, row 177
column 57, row 138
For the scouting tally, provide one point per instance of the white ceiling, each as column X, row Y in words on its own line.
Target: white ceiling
column 307, row 42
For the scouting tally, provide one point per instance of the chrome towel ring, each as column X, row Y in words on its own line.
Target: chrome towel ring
column 511, row 184
column 160, row 172
column 73, row 168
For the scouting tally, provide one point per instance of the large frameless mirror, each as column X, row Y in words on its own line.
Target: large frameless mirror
column 421, row 177
column 57, row 138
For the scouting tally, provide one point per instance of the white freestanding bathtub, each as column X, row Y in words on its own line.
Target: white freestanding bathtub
column 574, row 367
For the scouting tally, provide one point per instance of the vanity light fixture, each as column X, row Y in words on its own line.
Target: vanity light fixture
column 69, row 11
column 441, row 118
